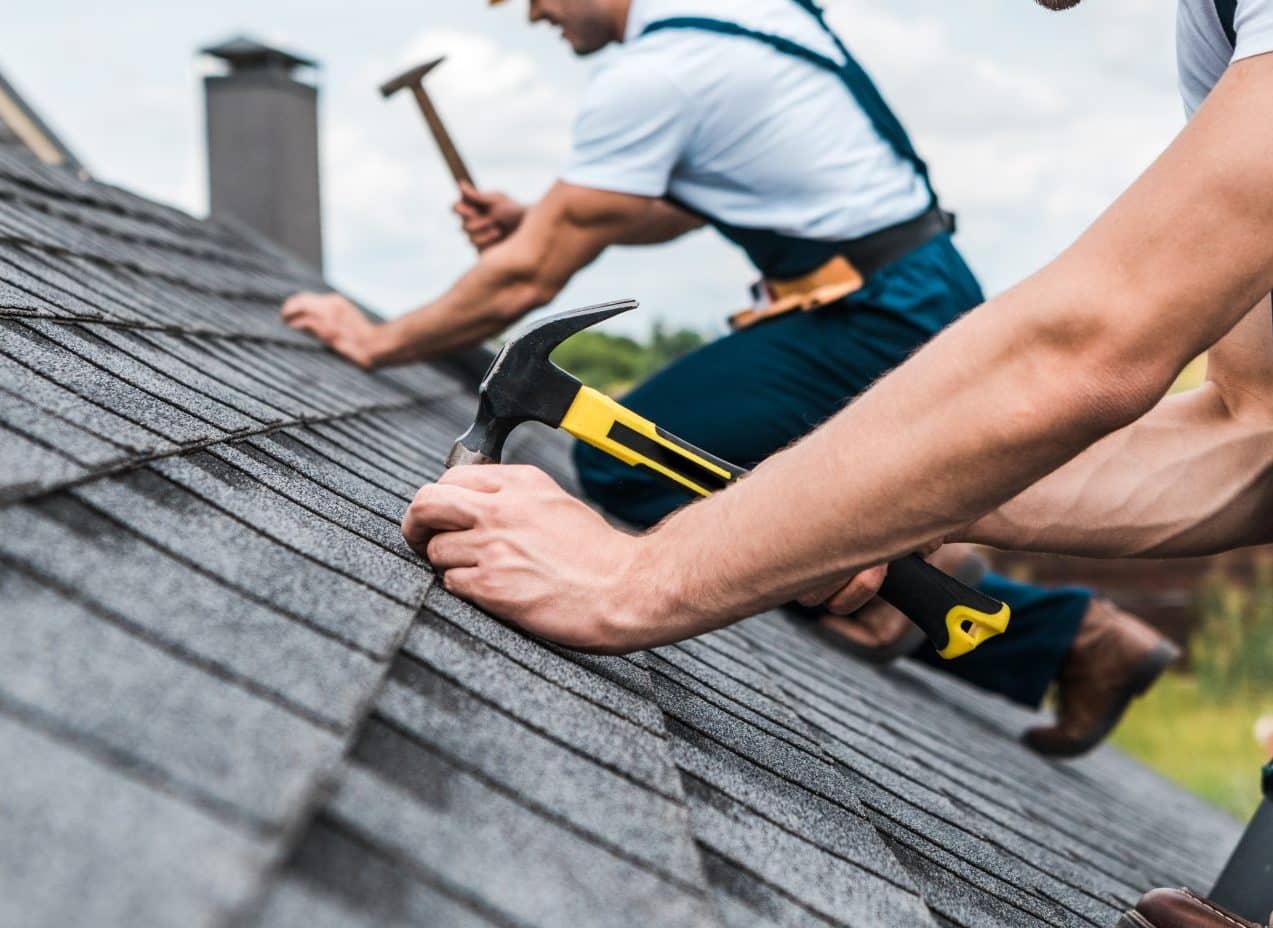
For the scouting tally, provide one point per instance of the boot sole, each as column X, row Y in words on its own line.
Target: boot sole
column 1164, row 654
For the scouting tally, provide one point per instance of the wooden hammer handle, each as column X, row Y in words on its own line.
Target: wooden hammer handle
column 440, row 134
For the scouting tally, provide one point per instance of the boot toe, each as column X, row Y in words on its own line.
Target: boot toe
column 1181, row 908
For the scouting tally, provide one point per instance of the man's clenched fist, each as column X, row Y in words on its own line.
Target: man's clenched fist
column 513, row 542
column 336, row 322
column 487, row 218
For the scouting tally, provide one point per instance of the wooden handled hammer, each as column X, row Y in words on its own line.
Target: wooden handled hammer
column 414, row 79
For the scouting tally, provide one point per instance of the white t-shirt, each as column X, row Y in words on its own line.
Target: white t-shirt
column 1203, row 51
column 738, row 130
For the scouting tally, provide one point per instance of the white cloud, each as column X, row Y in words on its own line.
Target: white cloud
column 1032, row 122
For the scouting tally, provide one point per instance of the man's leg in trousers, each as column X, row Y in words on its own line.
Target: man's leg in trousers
column 752, row 393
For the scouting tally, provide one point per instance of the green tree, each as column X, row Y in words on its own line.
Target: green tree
column 615, row 363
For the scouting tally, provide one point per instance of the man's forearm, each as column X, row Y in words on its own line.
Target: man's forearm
column 559, row 236
column 1003, row 397
column 892, row 472
column 1190, row 478
column 498, row 290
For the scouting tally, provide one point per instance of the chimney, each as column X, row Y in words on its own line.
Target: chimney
column 263, row 145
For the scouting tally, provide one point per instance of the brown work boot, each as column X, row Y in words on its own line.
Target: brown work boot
column 1115, row 658
column 1181, row 908
column 879, row 633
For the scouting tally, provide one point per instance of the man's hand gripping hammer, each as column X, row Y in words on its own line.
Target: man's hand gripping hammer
column 523, row 385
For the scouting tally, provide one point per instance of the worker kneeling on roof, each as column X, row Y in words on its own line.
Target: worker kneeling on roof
column 1037, row 422
column 752, row 116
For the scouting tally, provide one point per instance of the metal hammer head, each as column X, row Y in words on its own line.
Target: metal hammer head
column 523, row 385
column 410, row 78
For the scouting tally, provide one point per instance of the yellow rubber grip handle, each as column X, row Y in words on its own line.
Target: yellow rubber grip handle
column 600, row 421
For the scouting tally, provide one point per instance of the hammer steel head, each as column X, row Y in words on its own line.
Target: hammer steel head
column 410, row 78
column 523, row 385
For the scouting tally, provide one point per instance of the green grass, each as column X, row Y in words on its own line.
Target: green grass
column 1206, row 745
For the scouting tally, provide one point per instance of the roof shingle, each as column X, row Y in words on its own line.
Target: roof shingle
column 230, row 693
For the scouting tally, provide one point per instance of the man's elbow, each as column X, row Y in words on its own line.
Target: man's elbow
column 525, row 285
column 1111, row 370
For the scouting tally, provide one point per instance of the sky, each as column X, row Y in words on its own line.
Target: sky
column 1032, row 123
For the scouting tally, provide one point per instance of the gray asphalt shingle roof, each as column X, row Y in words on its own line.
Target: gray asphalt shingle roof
column 230, row 694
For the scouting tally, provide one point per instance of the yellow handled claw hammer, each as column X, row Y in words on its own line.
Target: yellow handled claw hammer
column 523, row 385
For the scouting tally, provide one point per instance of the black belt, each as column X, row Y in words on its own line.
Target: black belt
column 874, row 252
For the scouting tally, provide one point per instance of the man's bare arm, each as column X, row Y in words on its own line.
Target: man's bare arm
column 1193, row 477
column 663, row 222
column 1009, row 393
column 559, row 236
column 997, row 401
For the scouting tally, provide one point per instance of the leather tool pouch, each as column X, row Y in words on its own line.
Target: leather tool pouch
column 831, row 282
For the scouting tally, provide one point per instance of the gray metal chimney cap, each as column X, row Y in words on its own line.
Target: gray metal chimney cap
column 244, row 53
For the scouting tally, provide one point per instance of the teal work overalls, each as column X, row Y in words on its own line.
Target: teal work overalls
column 752, row 393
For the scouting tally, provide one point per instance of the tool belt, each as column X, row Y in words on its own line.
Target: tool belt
column 846, row 273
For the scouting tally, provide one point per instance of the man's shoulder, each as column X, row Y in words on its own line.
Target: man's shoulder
column 673, row 60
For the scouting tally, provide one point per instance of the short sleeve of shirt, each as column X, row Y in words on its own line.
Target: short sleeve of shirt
column 1254, row 25
column 630, row 131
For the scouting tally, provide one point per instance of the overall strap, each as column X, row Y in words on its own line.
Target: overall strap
column 859, row 84
column 1227, row 10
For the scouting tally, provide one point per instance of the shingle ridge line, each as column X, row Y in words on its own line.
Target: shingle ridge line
column 743, row 684
column 962, row 827
column 802, row 748
column 795, row 900
column 137, row 769
column 166, row 328
column 217, row 451
column 609, row 710
column 161, row 212
column 869, row 803
column 399, row 470
column 138, row 463
column 242, row 591
column 187, row 245
column 92, row 361
column 251, row 439
column 142, row 269
column 37, row 440
column 764, row 651
column 536, row 808
column 540, row 731
column 838, row 700
column 285, row 544
column 383, row 471
column 299, row 436
column 209, row 666
column 803, row 839
column 56, row 415
column 416, row 870
column 325, row 784
column 920, row 849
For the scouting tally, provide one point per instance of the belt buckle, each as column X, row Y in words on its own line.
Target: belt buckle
column 760, row 294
